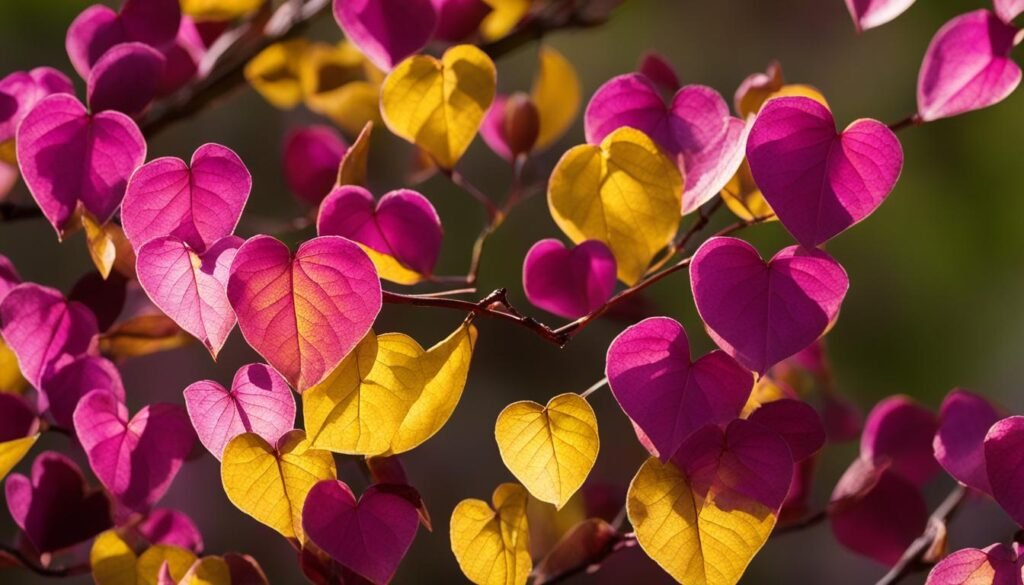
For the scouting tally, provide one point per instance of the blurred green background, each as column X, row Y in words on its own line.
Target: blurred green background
column 935, row 302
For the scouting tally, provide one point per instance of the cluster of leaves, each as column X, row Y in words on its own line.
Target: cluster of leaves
column 733, row 436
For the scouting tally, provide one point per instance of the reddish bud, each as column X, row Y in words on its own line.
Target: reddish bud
column 522, row 123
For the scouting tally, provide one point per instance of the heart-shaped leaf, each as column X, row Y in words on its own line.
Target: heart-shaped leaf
column 387, row 31
column 389, row 395
column 401, row 232
column 135, row 459
column 625, row 193
column 311, row 159
column 550, row 449
column 871, row 13
column 998, row 564
column 98, row 28
column 439, row 105
column 259, row 402
column 959, row 443
column 70, row 157
column 663, row 392
column 703, row 516
column 492, row 545
column 796, row 422
column 761, row 313
column 172, row 527
column 205, row 571
column 1004, row 462
column 967, row 66
column 569, row 283
column 818, row 181
column 62, row 390
column 898, row 433
column 198, row 203
column 340, row 83
column 126, row 78
column 695, row 129
column 114, row 562
column 1007, row 10
column 21, row 91
column 305, row 313
column 370, row 536
column 29, row 309
column 271, row 483
column 54, row 508
column 190, row 287
column 274, row 72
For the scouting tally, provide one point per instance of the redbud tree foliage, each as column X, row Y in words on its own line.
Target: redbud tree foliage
column 315, row 436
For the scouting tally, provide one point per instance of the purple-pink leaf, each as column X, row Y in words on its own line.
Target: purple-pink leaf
column 304, row 313
column 54, row 508
column 1007, row 10
column 311, row 159
column 761, row 313
column 21, row 91
column 967, row 66
column 68, row 156
column 198, row 203
column 492, row 130
column 17, row 419
column 1004, row 461
column 182, row 58
column 459, row 19
column 998, row 564
column 667, row 395
column 386, row 31
column 871, row 13
column 98, row 28
column 259, row 402
column 69, row 328
column 696, row 129
column 135, row 459
column 796, row 422
column 62, row 390
column 656, row 67
column 818, row 181
column 959, row 444
column 189, row 287
column 126, row 78
column 370, row 536
column 9, row 277
column 403, row 224
column 171, row 527
column 899, row 432
column 569, row 283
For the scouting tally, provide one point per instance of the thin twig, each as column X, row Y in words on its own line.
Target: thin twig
column 913, row 558
column 595, row 387
column 912, row 120
column 31, row 565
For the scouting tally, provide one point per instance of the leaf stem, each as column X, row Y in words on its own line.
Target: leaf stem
column 595, row 387
column 914, row 558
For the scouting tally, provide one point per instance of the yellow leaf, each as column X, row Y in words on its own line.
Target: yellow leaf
column 689, row 536
column 556, row 93
column 271, row 484
column 208, row 571
column 389, row 268
column 219, row 10
column 504, row 16
column 492, row 545
column 744, row 199
column 765, row 391
column 550, row 449
column 388, row 395
column 108, row 247
column 352, row 170
column 13, row 451
column 8, row 153
column 439, row 105
column 340, row 83
column 624, row 192
column 114, row 562
column 11, row 379
column 274, row 73
column 143, row 335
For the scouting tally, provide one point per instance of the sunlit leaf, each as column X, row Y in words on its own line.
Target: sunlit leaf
column 492, row 544
column 274, row 73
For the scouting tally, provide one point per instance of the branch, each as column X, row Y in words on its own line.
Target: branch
column 31, row 565
column 915, row 557
column 912, row 120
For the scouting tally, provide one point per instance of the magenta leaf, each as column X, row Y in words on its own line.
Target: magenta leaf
column 305, row 313
column 126, row 78
column 62, row 390
column 387, row 31
column 403, row 224
column 761, row 313
column 171, row 527
column 899, row 432
column 21, row 91
column 492, row 130
column 871, row 13
column 9, row 277
column 55, row 508
column 569, row 283
column 959, row 444
column 105, row 297
column 68, row 156
column 135, row 459
column 818, row 181
column 17, row 419
column 1007, row 10
column 182, row 58
column 44, row 330
column 189, row 287
column 696, row 129
column 655, row 67
column 1004, row 462
column 370, row 536
column 667, row 395
column 259, row 402
column 967, row 66
column 198, row 203
column 459, row 19
column 98, row 28
column 997, row 564
column 311, row 159
column 796, row 422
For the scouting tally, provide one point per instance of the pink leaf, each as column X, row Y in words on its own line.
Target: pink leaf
column 387, row 31
column 98, row 28
column 1004, row 461
column 311, row 159
column 125, row 79
column 569, row 283
column 898, row 433
column 21, row 91
column 959, row 444
column 871, row 13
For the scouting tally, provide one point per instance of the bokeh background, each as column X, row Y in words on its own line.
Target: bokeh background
column 937, row 295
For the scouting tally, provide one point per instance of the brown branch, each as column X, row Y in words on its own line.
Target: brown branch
column 31, row 565
column 914, row 558
column 912, row 120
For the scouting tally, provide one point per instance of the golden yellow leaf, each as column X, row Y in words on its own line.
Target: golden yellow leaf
column 114, row 562
column 352, row 170
column 389, row 268
column 492, row 544
column 439, row 105
column 744, row 199
column 108, row 247
column 550, row 449
column 218, row 10
column 274, row 73
column 388, row 395
column 271, row 484
column 207, row 571
column 624, row 192
column 143, row 335
column 11, row 379
column 556, row 93
column 504, row 16
column 340, row 83
column 8, row 152
column 13, row 451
